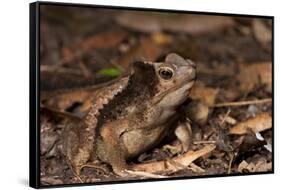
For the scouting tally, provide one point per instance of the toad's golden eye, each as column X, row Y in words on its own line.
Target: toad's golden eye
column 166, row 73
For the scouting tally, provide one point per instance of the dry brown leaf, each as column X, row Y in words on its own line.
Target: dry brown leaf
column 261, row 31
column 260, row 166
column 172, row 166
column 252, row 75
column 103, row 40
column 51, row 180
column 206, row 95
column 197, row 25
column 257, row 124
column 161, row 39
column 62, row 101
column 196, row 168
column 139, row 22
column 194, row 25
column 198, row 112
column 199, row 109
column 147, row 50
column 220, row 69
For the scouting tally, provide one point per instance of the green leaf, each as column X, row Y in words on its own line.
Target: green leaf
column 112, row 72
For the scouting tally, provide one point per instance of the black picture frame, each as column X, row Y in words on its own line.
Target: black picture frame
column 34, row 94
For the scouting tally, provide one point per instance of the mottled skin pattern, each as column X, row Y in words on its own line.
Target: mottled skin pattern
column 132, row 115
column 78, row 135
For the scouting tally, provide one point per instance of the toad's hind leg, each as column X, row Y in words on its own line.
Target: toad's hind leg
column 75, row 148
column 75, row 170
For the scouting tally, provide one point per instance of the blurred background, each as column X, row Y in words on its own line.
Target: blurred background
column 83, row 46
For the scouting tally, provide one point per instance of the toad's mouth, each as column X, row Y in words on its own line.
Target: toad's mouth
column 185, row 86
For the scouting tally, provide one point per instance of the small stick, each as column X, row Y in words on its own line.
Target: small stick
column 86, row 72
column 243, row 103
column 196, row 168
column 224, row 118
column 230, row 163
column 204, row 142
column 145, row 174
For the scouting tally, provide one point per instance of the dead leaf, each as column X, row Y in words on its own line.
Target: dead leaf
column 161, row 39
column 65, row 99
column 230, row 120
column 197, row 25
column 103, row 40
column 147, row 50
column 257, row 124
column 220, row 69
column 139, row 22
column 262, row 33
column 51, row 180
column 253, row 75
column 98, row 41
column 173, row 165
column 194, row 25
column 198, row 112
column 260, row 166
column 206, row 95
column 268, row 146
column 203, row 98
column 48, row 135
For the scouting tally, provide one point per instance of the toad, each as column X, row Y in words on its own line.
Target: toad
column 132, row 115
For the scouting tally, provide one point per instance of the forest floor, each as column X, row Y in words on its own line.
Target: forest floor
column 232, row 115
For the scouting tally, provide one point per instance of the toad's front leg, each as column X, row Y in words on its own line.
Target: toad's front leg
column 110, row 149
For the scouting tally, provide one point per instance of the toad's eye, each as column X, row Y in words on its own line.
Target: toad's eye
column 166, row 73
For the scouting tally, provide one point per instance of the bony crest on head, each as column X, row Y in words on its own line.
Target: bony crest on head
column 175, row 59
column 142, row 69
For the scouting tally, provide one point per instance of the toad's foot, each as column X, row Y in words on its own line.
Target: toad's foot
column 75, row 170
column 121, row 173
column 76, row 173
column 96, row 166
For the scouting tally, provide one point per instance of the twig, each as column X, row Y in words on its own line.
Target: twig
column 145, row 174
column 59, row 112
column 59, row 69
column 196, row 168
column 242, row 103
column 225, row 116
column 204, row 142
column 86, row 72
column 230, row 163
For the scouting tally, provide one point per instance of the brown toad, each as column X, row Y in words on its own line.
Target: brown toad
column 132, row 115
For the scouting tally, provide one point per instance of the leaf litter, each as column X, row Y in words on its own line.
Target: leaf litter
column 230, row 107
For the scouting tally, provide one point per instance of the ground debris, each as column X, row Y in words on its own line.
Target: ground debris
column 254, row 75
column 230, row 107
column 256, row 124
column 175, row 164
